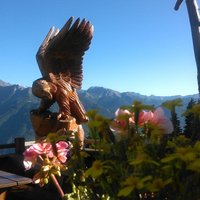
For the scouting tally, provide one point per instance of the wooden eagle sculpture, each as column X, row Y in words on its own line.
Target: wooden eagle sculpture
column 60, row 59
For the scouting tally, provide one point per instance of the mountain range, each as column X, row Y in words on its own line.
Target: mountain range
column 16, row 102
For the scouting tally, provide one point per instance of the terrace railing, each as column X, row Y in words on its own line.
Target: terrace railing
column 19, row 145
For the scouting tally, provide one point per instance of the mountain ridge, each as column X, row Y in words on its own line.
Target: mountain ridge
column 17, row 101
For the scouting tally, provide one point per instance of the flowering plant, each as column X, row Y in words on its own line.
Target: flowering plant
column 48, row 158
column 124, row 119
column 126, row 158
column 132, row 156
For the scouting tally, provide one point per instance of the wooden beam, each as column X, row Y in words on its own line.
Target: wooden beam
column 194, row 18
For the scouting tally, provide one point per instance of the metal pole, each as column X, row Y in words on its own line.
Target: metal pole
column 194, row 17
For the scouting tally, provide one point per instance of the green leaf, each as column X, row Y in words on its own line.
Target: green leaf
column 125, row 191
column 169, row 158
column 195, row 166
column 96, row 170
column 158, row 184
column 93, row 124
column 197, row 146
column 147, row 178
column 84, row 154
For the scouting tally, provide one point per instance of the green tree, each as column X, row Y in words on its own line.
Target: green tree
column 189, row 120
column 171, row 105
column 193, row 122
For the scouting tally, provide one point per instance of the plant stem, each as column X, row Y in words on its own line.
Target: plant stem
column 55, row 181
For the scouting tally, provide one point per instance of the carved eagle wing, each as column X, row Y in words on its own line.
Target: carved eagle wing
column 61, row 52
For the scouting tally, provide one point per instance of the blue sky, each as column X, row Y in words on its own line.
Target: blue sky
column 138, row 45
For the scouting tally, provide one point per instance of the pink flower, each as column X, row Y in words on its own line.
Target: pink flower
column 156, row 118
column 122, row 120
column 62, row 150
column 28, row 164
column 145, row 116
column 164, row 123
column 37, row 149
column 34, row 151
column 42, row 148
column 119, row 112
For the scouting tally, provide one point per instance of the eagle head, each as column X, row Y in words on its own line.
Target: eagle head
column 42, row 89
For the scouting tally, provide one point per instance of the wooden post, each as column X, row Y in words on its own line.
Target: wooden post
column 19, row 145
column 194, row 17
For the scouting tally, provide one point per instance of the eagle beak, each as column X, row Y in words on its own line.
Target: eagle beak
column 47, row 95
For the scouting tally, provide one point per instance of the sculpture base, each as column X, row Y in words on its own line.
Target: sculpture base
column 47, row 122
